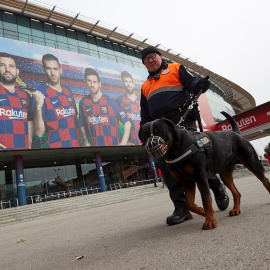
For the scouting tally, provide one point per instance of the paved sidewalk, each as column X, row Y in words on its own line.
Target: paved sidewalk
column 132, row 235
column 75, row 204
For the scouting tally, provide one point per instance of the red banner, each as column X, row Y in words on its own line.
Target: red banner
column 250, row 119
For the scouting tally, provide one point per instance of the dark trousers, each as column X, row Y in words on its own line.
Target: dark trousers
column 176, row 188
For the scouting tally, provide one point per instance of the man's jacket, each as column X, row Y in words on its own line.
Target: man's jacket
column 165, row 91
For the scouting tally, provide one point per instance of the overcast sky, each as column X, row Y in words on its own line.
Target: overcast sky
column 231, row 38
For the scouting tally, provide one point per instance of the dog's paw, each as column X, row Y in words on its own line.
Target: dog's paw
column 209, row 225
column 234, row 212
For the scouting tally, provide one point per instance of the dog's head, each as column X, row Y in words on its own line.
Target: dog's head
column 158, row 137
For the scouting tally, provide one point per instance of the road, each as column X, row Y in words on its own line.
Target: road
column 133, row 235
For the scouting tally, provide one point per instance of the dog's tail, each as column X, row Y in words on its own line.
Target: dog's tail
column 233, row 123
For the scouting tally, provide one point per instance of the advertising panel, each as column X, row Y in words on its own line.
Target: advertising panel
column 56, row 98
column 247, row 122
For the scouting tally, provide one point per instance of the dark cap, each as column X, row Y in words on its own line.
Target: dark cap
column 148, row 50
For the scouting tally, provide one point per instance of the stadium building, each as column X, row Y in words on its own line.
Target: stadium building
column 27, row 32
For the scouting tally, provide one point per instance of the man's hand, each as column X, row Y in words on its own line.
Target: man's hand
column 203, row 84
column 39, row 98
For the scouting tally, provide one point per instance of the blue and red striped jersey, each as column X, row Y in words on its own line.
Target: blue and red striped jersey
column 132, row 110
column 60, row 116
column 14, row 118
column 101, row 118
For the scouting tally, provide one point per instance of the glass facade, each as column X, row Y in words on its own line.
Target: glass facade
column 218, row 104
column 21, row 28
column 53, row 182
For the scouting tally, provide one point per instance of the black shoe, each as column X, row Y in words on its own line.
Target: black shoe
column 221, row 196
column 179, row 217
column 222, row 202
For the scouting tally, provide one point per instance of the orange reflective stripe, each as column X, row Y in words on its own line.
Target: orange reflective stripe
column 165, row 82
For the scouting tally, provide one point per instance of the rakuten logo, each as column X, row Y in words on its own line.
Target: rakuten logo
column 13, row 114
column 97, row 120
column 134, row 116
column 65, row 112
column 242, row 123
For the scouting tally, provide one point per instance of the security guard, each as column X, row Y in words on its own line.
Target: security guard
column 162, row 94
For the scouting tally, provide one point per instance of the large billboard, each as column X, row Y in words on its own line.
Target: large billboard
column 55, row 98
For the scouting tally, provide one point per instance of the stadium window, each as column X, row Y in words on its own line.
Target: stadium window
column 100, row 43
column 108, row 45
column 93, row 47
column 116, row 47
column 62, row 46
column 131, row 52
column 94, row 53
column 82, row 41
column 60, row 34
column 10, row 26
column 61, row 38
column 124, row 49
column 49, row 33
column 91, row 40
column 81, row 37
column 84, row 51
column 73, row 48
column 125, row 56
column 138, row 54
column 110, row 52
column 72, row 41
column 101, row 49
column 24, row 29
column 37, row 32
column 72, row 38
column 1, row 24
column 103, row 55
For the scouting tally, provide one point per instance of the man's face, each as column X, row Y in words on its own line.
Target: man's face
column 53, row 71
column 129, row 85
column 8, row 70
column 93, row 84
column 152, row 62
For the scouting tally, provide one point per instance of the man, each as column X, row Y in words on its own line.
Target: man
column 15, row 129
column 163, row 93
column 99, row 116
column 55, row 110
column 130, row 104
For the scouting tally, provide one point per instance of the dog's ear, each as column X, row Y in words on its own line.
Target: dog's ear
column 176, row 135
column 168, row 122
column 142, row 131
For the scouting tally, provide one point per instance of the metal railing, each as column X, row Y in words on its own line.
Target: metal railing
column 33, row 199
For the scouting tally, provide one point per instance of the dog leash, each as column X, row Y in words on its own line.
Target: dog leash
column 190, row 106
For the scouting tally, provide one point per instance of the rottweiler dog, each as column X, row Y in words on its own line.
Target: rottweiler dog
column 194, row 157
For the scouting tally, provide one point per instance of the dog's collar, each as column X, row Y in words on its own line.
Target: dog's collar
column 201, row 143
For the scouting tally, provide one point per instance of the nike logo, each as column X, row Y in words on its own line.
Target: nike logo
column 3, row 99
column 126, row 108
column 53, row 102
column 88, row 109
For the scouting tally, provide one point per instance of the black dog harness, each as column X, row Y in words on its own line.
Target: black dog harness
column 201, row 143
